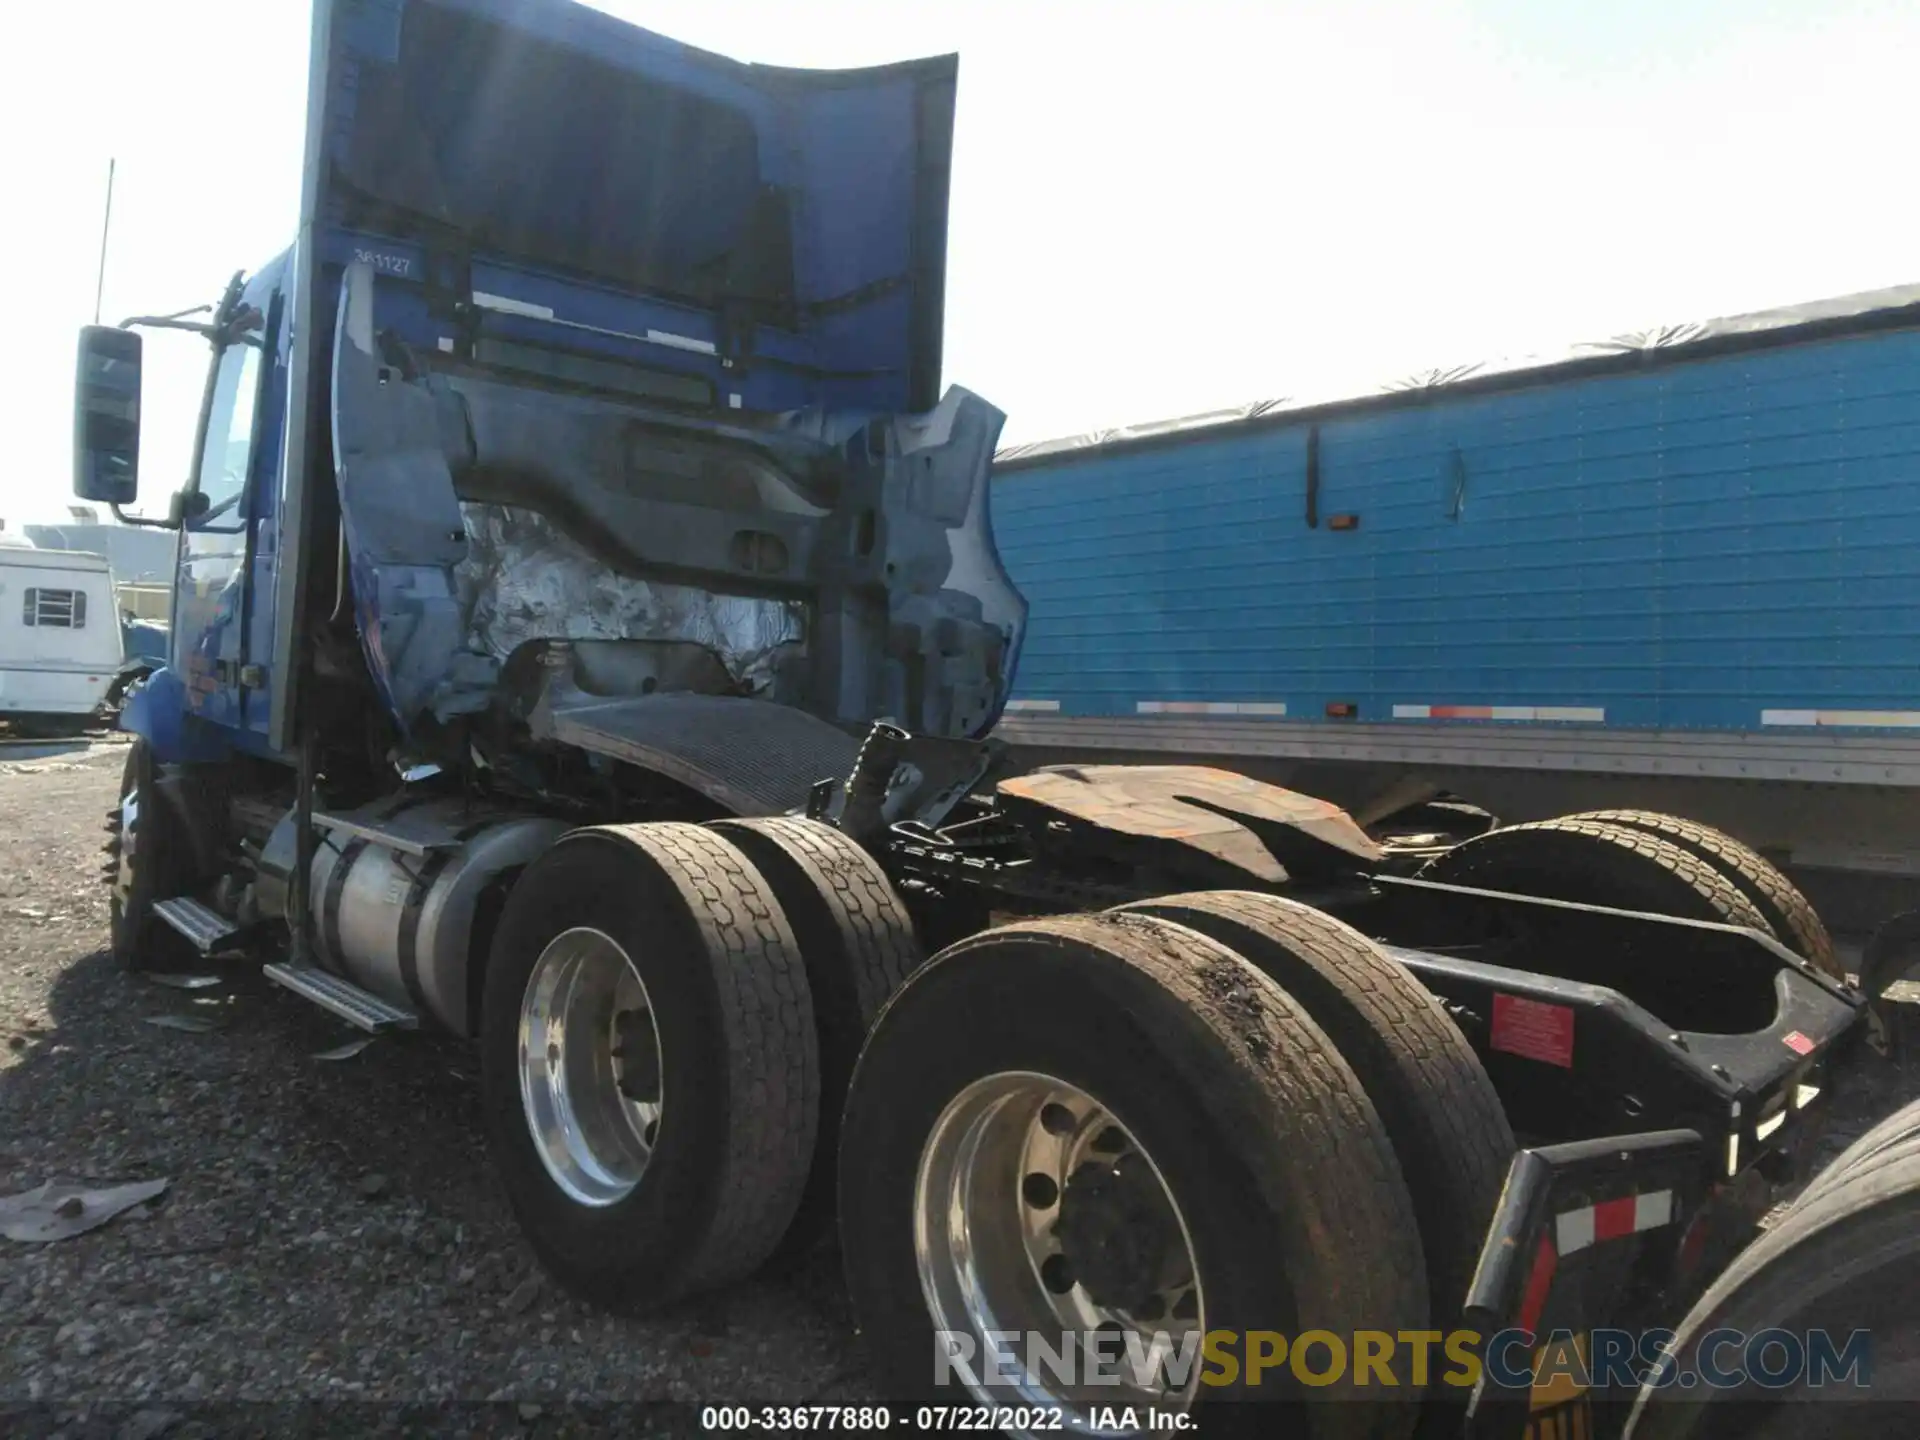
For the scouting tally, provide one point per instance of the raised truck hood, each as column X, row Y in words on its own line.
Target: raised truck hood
column 635, row 402
column 791, row 222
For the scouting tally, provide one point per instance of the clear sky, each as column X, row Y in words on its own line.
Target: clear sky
column 1159, row 206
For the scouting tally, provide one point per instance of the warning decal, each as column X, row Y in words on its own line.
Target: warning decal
column 1533, row 1029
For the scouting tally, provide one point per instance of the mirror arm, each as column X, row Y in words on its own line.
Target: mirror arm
column 172, row 322
column 126, row 519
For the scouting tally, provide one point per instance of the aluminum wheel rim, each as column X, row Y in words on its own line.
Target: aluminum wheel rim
column 1000, row 1179
column 126, row 838
column 590, row 1081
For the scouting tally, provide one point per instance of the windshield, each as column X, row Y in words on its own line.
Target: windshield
column 229, row 443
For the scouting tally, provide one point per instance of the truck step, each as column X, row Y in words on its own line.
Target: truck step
column 206, row 927
column 359, row 1008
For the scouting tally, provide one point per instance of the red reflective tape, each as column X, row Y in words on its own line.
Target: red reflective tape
column 1539, row 1282
column 1533, row 1029
column 1798, row 1043
column 1613, row 1218
column 1693, row 1245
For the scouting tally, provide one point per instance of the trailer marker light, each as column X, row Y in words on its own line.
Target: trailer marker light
column 1796, row 1042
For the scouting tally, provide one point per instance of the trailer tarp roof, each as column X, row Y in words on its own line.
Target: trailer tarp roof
column 1894, row 308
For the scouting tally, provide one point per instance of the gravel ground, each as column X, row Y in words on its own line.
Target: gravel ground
column 332, row 1231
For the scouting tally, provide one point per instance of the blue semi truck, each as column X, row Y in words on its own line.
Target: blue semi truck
column 587, row 634
column 1673, row 570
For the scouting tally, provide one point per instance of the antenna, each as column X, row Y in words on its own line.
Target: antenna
column 100, row 283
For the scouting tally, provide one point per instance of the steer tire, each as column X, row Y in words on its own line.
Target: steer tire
column 738, row 1062
column 147, row 861
column 1589, row 863
column 1285, row 1179
column 857, row 943
column 1843, row 1261
column 1788, row 912
column 1441, row 1111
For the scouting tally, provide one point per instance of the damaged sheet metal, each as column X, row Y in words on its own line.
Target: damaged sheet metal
column 524, row 579
column 59, row 1212
column 485, row 517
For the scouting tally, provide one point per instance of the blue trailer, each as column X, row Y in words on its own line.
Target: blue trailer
column 1676, row 570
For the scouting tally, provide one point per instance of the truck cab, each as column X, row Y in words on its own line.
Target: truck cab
column 587, row 631
column 600, row 368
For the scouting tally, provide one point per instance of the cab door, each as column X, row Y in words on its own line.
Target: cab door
column 215, row 595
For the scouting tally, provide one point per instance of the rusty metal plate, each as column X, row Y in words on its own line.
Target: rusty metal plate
column 753, row 757
column 1191, row 805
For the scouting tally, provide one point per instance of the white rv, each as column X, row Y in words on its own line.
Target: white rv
column 60, row 642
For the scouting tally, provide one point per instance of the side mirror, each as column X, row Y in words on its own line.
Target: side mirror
column 106, row 416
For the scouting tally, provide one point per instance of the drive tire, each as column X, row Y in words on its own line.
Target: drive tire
column 1900, row 1130
column 1445, row 817
column 1789, row 913
column 1440, row 1110
column 857, row 943
column 1290, row 1191
column 737, row 1060
column 1590, row 863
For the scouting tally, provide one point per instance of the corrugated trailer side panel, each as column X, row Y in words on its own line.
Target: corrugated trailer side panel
column 1728, row 543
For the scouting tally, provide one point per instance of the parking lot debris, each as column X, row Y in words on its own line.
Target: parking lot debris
column 59, row 1212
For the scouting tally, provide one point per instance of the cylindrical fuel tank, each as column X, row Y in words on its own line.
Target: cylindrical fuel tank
column 395, row 890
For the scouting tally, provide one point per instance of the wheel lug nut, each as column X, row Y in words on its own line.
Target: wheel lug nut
column 1039, row 1191
column 1056, row 1274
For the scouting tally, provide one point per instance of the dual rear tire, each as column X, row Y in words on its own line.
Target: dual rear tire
column 670, row 1016
column 1641, row 860
column 1116, row 1125
column 1211, row 1112
column 1302, row 1141
column 1201, row 1113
